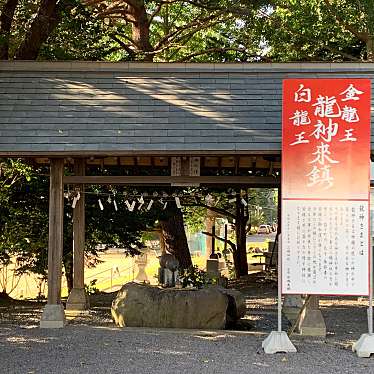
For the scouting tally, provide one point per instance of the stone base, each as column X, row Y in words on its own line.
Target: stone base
column 312, row 323
column 77, row 300
column 278, row 342
column 291, row 307
column 212, row 268
column 53, row 317
column 364, row 347
column 291, row 313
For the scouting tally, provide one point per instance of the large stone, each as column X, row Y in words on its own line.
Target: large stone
column 138, row 305
column 236, row 308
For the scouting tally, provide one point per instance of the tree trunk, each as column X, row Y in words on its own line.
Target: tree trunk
column 237, row 262
column 6, row 19
column 68, row 265
column 175, row 238
column 140, row 32
column 241, row 248
column 241, row 239
column 46, row 20
column 370, row 48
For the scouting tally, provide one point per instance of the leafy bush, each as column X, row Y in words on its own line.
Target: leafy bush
column 90, row 288
column 193, row 277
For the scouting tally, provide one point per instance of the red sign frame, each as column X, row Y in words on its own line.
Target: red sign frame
column 325, row 155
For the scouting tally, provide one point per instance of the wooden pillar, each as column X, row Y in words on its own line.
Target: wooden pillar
column 53, row 314
column 209, row 223
column 78, row 299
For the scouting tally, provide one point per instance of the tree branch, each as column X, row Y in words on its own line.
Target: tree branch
column 347, row 55
column 130, row 51
column 195, row 22
column 229, row 242
column 124, row 36
column 210, row 50
column 359, row 35
column 6, row 19
column 117, row 13
column 214, row 209
column 159, row 7
column 233, row 10
column 186, row 37
column 47, row 18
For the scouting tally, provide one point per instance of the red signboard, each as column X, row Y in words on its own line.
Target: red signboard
column 325, row 185
column 326, row 138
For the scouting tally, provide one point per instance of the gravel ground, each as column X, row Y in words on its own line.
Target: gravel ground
column 89, row 349
column 92, row 344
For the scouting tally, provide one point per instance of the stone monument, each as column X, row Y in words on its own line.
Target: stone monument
column 141, row 261
column 168, row 270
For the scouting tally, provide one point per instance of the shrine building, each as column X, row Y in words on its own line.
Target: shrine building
column 193, row 124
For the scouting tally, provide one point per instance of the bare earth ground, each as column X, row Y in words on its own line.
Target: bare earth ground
column 92, row 343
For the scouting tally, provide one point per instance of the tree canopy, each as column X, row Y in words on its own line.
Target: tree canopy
column 131, row 30
column 187, row 30
column 320, row 30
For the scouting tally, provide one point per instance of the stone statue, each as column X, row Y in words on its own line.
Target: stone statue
column 168, row 271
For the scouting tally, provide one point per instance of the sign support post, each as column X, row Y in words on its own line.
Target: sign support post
column 364, row 347
column 278, row 341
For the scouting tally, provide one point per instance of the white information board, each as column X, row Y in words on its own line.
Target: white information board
column 325, row 247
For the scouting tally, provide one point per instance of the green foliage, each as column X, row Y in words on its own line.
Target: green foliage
column 25, row 12
column 230, row 265
column 194, row 218
column 205, row 31
column 193, row 277
column 24, row 220
column 91, row 288
column 262, row 205
column 176, row 31
column 79, row 36
column 334, row 30
column 20, row 217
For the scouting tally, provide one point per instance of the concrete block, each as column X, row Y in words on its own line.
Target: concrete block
column 291, row 307
column 364, row 347
column 77, row 300
column 53, row 317
column 278, row 342
column 312, row 323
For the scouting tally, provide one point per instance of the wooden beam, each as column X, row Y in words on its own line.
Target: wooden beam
column 158, row 153
column 267, row 181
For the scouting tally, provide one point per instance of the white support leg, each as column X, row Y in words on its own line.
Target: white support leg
column 278, row 341
column 364, row 347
